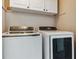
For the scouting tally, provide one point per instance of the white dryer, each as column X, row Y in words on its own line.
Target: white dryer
column 57, row 44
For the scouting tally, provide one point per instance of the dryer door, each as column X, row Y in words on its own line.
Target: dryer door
column 61, row 47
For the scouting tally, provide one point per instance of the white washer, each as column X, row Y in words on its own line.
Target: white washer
column 58, row 44
column 22, row 45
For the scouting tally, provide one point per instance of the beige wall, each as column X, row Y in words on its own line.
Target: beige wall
column 3, row 20
column 25, row 19
column 66, row 20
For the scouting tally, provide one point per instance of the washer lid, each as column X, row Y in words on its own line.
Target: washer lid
column 7, row 34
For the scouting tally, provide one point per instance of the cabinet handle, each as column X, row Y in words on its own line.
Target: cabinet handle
column 27, row 6
column 44, row 9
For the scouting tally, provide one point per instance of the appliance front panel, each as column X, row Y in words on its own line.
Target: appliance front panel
column 62, row 47
column 22, row 47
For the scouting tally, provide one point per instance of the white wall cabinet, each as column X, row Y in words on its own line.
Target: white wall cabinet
column 35, row 6
column 51, row 6
column 19, row 3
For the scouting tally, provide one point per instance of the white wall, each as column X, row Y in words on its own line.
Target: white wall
column 24, row 19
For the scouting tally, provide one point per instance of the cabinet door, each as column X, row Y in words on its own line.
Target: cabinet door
column 19, row 3
column 51, row 6
column 37, row 5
